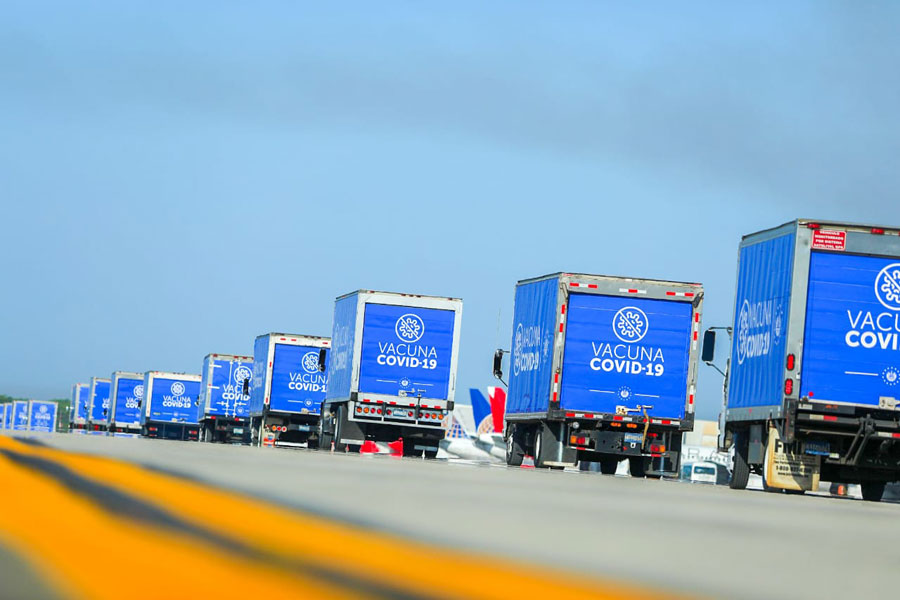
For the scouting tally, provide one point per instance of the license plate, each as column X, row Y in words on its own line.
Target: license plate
column 303, row 428
column 239, row 430
column 817, row 448
column 633, row 438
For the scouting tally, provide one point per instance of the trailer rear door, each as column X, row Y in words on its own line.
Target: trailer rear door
column 851, row 351
column 297, row 384
column 626, row 351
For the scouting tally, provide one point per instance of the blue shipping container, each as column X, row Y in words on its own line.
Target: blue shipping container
column 99, row 399
column 531, row 359
column 619, row 349
column 222, row 385
column 293, row 382
column 128, row 393
column 762, row 304
column 81, row 394
column 42, row 416
column 407, row 346
column 20, row 415
column 343, row 344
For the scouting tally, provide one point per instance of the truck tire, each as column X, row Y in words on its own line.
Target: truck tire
column 740, row 474
column 608, row 466
column 325, row 438
column 538, row 442
column 338, row 417
column 872, row 491
column 637, row 465
column 515, row 447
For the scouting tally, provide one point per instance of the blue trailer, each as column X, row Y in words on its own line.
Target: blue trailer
column 392, row 372
column 812, row 381
column 42, row 416
column 602, row 369
column 287, row 389
column 99, row 404
column 81, row 402
column 225, row 398
column 170, row 408
column 126, row 393
column 4, row 407
column 20, row 415
column 10, row 411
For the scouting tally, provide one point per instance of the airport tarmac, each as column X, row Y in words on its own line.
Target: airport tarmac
column 668, row 537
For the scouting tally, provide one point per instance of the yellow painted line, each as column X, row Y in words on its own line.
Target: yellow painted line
column 411, row 566
column 84, row 552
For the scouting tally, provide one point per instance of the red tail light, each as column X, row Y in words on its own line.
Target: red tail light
column 877, row 231
column 788, row 387
column 791, row 359
column 813, row 225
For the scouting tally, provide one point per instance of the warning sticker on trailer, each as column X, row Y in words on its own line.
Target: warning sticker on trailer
column 829, row 239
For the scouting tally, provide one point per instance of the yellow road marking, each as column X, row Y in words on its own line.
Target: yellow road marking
column 84, row 552
column 376, row 557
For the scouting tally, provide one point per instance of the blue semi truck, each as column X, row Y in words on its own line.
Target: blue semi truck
column 392, row 371
column 287, row 389
column 170, row 407
column 813, row 379
column 126, row 393
column 99, row 404
column 81, row 399
column 225, row 398
column 602, row 369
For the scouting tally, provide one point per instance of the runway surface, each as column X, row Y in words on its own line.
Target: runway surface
column 223, row 519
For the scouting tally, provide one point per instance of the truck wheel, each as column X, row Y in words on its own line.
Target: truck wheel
column 872, row 491
column 338, row 417
column 637, row 465
column 608, row 466
column 515, row 448
column 740, row 474
column 538, row 442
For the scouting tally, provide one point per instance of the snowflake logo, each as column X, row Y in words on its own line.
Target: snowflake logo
column 43, row 409
column 778, row 324
column 241, row 373
column 139, row 391
column 404, row 382
column 887, row 286
column 310, row 362
column 624, row 392
column 743, row 332
column 410, row 328
column 177, row 388
column 891, row 376
column 630, row 324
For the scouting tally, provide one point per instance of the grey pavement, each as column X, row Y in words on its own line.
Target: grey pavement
column 695, row 539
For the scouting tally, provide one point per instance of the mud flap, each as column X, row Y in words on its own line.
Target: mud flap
column 554, row 451
column 352, row 432
column 789, row 469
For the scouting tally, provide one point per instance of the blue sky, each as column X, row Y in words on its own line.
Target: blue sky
column 177, row 180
